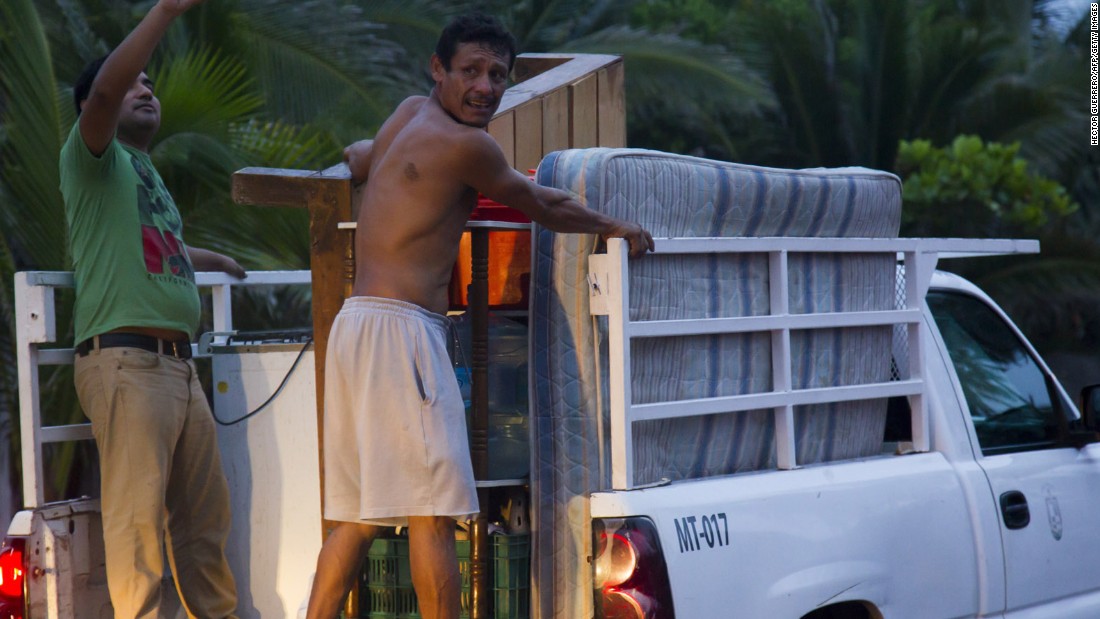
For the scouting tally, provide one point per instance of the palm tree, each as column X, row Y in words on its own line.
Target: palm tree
column 31, row 199
column 854, row 77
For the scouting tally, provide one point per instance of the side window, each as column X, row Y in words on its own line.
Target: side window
column 1012, row 402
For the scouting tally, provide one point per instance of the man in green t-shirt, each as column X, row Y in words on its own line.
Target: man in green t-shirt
column 136, row 308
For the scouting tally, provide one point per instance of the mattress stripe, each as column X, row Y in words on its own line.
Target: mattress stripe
column 758, row 208
column 793, row 201
column 846, row 219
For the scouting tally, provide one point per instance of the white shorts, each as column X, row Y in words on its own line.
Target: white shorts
column 394, row 422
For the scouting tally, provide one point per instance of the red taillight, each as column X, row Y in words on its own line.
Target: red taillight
column 631, row 576
column 625, row 604
column 12, row 572
column 616, row 559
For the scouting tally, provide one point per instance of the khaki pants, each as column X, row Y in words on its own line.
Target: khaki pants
column 161, row 475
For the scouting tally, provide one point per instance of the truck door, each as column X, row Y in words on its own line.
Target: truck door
column 1048, row 492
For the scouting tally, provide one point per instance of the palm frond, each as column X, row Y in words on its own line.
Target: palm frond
column 306, row 56
column 956, row 60
column 1018, row 109
column 262, row 237
column 86, row 45
column 191, row 162
column 547, row 25
column 34, row 113
column 799, row 41
column 872, row 69
column 258, row 237
column 279, row 145
column 31, row 118
column 203, row 92
column 659, row 64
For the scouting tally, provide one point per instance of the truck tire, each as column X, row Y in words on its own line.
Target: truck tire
column 845, row 610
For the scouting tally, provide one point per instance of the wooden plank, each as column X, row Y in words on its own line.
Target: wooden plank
column 279, row 187
column 329, row 252
column 503, row 130
column 528, row 137
column 271, row 187
column 555, row 121
column 554, row 79
column 530, row 65
column 611, row 98
column 339, row 170
column 567, row 73
column 584, row 128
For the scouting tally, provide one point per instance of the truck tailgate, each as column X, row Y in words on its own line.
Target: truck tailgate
column 782, row 543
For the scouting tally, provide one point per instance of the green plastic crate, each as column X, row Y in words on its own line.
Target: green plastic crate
column 385, row 586
column 386, row 591
column 511, row 603
column 511, row 562
column 388, row 563
column 511, row 576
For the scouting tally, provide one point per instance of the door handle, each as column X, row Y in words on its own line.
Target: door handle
column 1014, row 509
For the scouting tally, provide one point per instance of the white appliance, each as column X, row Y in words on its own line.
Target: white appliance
column 272, row 465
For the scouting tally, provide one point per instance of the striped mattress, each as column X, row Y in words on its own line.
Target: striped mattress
column 680, row 196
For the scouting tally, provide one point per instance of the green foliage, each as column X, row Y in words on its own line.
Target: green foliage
column 974, row 188
column 702, row 20
column 317, row 60
column 849, row 79
column 204, row 92
column 680, row 87
column 31, row 113
column 32, row 120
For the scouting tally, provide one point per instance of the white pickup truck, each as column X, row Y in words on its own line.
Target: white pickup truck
column 859, row 437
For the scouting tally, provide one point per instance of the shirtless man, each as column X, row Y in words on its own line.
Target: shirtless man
column 396, row 450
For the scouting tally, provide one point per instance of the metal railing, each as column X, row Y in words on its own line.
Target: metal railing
column 609, row 294
column 36, row 325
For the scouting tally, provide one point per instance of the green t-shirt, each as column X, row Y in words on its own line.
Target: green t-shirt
column 125, row 234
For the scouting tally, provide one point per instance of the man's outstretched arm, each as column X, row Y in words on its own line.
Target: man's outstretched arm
column 99, row 118
column 550, row 207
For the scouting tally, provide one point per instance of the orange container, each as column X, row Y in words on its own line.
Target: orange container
column 509, row 260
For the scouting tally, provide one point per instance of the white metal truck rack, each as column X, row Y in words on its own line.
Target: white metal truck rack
column 609, row 294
